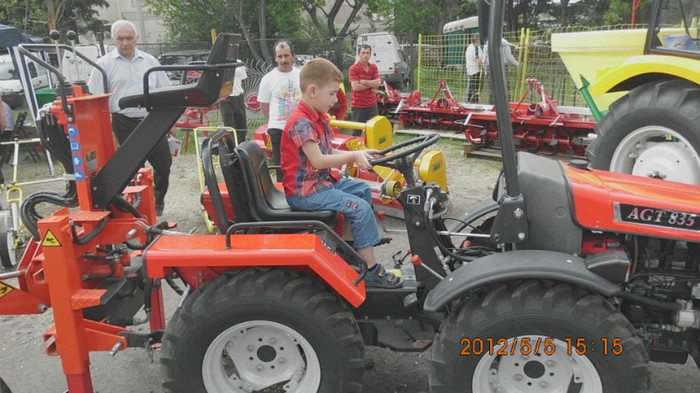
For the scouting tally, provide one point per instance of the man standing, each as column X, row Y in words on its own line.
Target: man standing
column 507, row 57
column 233, row 107
column 125, row 67
column 364, row 78
column 279, row 95
column 474, row 66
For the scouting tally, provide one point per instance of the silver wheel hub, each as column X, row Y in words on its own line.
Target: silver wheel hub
column 536, row 372
column 257, row 355
column 657, row 152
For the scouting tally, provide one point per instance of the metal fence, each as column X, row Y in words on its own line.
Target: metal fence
column 443, row 57
column 432, row 58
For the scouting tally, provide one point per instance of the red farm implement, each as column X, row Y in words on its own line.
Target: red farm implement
column 538, row 123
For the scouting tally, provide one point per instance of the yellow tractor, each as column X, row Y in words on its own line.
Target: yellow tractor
column 653, row 126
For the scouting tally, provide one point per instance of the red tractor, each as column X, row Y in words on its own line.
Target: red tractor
column 569, row 279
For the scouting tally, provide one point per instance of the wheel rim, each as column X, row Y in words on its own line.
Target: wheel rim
column 647, row 152
column 256, row 355
column 558, row 372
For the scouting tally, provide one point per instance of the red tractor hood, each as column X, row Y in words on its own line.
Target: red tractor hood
column 608, row 201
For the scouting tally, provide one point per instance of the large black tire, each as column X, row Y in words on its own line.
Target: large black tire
column 546, row 313
column 257, row 326
column 8, row 250
column 652, row 112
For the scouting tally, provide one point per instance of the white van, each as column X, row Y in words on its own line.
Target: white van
column 388, row 56
column 9, row 77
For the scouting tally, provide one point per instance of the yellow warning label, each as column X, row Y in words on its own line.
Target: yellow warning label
column 5, row 289
column 50, row 240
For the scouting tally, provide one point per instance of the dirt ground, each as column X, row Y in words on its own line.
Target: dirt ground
column 27, row 369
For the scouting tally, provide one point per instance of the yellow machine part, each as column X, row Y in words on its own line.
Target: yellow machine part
column 379, row 133
column 632, row 68
column 432, row 168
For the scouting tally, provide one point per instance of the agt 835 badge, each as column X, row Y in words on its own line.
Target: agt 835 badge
column 652, row 216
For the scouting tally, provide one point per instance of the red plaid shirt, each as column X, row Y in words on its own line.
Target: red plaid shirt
column 301, row 179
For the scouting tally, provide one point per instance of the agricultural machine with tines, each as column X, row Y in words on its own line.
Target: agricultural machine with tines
column 568, row 279
column 539, row 125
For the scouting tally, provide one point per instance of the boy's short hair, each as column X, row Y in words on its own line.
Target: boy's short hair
column 319, row 72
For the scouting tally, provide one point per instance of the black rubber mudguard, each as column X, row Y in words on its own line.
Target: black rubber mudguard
column 517, row 265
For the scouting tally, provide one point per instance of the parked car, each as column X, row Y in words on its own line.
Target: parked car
column 10, row 85
column 181, row 57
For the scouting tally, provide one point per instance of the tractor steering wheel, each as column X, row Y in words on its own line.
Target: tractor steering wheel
column 401, row 160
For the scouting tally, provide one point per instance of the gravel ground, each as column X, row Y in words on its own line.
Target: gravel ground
column 26, row 368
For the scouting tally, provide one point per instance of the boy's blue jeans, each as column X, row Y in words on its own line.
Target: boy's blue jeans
column 351, row 197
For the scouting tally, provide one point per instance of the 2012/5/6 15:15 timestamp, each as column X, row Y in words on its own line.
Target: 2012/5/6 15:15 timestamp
column 540, row 345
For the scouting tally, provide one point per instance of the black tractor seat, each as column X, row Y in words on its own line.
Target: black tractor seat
column 267, row 202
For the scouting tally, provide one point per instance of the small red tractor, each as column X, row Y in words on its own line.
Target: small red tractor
column 569, row 279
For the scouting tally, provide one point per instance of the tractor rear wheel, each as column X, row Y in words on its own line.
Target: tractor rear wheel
column 537, row 336
column 654, row 131
column 262, row 330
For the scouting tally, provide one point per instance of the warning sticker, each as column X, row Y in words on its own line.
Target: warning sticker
column 5, row 289
column 50, row 240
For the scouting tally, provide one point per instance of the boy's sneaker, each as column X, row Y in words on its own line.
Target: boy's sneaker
column 379, row 278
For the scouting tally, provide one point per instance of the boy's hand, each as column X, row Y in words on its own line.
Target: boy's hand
column 362, row 157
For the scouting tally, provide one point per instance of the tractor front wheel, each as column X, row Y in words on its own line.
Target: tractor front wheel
column 653, row 131
column 537, row 336
column 262, row 330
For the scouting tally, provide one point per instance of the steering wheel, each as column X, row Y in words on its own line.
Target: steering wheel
column 398, row 161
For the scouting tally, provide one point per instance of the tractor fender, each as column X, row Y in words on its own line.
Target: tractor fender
column 638, row 70
column 517, row 265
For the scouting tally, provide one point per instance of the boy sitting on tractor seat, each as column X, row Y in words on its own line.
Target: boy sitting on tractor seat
column 307, row 156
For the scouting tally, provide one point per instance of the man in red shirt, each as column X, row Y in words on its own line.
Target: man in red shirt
column 364, row 78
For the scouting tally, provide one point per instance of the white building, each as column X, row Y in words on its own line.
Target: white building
column 151, row 27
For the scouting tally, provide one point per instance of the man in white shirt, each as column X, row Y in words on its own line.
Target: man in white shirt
column 474, row 67
column 233, row 107
column 125, row 67
column 506, row 56
column 279, row 95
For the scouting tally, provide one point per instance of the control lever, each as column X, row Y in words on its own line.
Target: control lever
column 416, row 260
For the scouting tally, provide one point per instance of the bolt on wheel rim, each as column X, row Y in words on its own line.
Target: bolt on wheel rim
column 519, row 373
column 261, row 356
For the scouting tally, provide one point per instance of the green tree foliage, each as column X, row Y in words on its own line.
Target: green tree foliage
column 256, row 21
column 37, row 17
column 428, row 16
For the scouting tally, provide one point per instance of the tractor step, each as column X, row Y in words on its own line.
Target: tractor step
column 400, row 335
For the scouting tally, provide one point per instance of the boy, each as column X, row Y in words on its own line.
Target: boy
column 307, row 157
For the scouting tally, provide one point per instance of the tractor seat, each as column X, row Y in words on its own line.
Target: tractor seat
column 267, row 201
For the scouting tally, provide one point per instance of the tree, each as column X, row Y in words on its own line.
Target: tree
column 192, row 20
column 37, row 17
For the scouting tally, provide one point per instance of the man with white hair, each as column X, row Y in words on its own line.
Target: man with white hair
column 125, row 67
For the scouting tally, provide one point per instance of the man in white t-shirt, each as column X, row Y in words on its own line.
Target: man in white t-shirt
column 279, row 95
column 474, row 67
column 233, row 107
